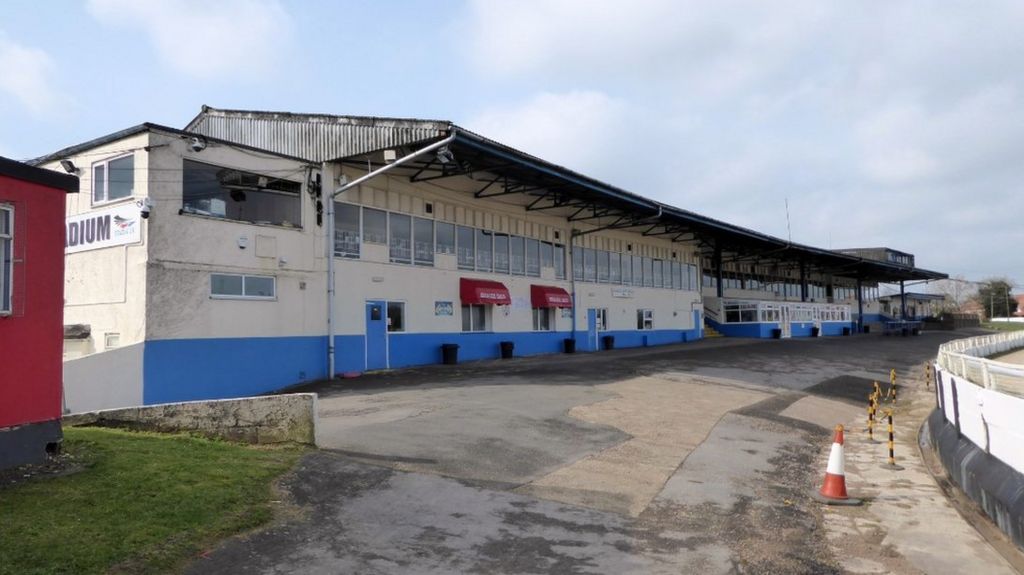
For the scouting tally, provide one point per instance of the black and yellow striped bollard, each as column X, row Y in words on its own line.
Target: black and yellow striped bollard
column 871, row 416
column 891, row 465
column 892, row 385
column 928, row 375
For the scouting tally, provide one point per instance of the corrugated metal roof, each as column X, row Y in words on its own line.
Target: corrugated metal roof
column 313, row 137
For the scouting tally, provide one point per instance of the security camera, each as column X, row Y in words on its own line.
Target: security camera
column 145, row 205
column 197, row 144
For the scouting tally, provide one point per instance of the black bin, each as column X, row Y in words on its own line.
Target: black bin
column 815, row 331
column 507, row 347
column 867, row 329
column 846, row 330
column 904, row 331
column 608, row 341
column 776, row 333
column 450, row 353
column 915, row 331
column 570, row 345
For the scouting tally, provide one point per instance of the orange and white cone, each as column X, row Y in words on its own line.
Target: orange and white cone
column 833, row 490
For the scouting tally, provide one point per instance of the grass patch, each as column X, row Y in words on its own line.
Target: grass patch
column 144, row 503
column 1004, row 325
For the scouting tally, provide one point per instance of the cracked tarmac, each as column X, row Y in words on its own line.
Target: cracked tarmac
column 691, row 458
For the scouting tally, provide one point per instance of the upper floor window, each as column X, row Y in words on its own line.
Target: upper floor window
column 239, row 286
column 113, row 179
column 236, row 195
column 6, row 258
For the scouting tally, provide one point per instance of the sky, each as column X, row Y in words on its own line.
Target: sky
column 897, row 124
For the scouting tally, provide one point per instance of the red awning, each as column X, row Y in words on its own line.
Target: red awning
column 549, row 296
column 474, row 291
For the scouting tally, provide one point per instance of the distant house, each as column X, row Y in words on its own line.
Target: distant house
column 31, row 306
column 1020, row 305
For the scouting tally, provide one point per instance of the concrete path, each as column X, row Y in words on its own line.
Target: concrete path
column 693, row 458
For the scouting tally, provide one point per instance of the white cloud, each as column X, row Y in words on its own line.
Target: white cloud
column 26, row 74
column 205, row 39
column 572, row 129
column 899, row 124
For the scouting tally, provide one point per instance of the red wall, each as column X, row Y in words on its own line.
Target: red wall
column 31, row 338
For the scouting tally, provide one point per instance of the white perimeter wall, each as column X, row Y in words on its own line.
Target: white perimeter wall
column 990, row 419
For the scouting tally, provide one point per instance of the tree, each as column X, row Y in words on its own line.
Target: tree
column 994, row 297
column 957, row 292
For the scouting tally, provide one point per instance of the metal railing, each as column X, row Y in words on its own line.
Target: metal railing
column 968, row 358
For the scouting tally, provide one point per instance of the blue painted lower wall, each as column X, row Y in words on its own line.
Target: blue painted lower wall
column 764, row 330
column 217, row 368
column 191, row 369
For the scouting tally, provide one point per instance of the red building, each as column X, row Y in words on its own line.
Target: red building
column 31, row 309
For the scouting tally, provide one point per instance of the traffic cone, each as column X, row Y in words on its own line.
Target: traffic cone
column 833, row 490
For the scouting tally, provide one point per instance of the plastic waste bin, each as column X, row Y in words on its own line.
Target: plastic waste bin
column 570, row 345
column 507, row 348
column 608, row 341
column 450, row 353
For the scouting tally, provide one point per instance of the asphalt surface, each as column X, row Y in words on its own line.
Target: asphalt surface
column 489, row 467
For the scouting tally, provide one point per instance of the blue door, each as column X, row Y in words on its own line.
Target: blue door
column 592, row 329
column 376, row 335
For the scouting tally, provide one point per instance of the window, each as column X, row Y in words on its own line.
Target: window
column 577, row 264
column 547, row 255
column 500, row 253
column 233, row 286
column 400, row 238
column 648, row 265
column 423, row 241
column 603, row 259
column 474, row 317
column 235, row 195
column 484, row 250
column 659, row 277
column 533, row 258
column 589, row 265
column 615, row 268
column 6, row 259
column 375, row 226
column 602, row 319
column 111, row 340
column 638, row 271
column 113, row 179
column 559, row 261
column 445, row 238
column 346, row 230
column 627, row 269
column 645, row 319
column 465, row 248
column 542, row 319
column 517, row 251
column 396, row 316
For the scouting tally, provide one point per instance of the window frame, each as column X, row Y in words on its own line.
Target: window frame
column 7, row 265
column 644, row 319
column 106, row 180
column 243, row 295
column 543, row 319
column 486, row 315
column 399, row 305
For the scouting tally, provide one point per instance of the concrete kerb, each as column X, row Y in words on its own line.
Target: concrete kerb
column 289, row 418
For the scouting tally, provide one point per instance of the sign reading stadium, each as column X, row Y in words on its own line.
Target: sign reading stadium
column 102, row 229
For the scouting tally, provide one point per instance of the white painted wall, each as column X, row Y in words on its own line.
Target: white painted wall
column 104, row 380
column 105, row 288
column 988, row 418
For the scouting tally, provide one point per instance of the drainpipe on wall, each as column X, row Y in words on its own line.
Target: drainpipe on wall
column 342, row 188
column 860, row 307
column 572, row 281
